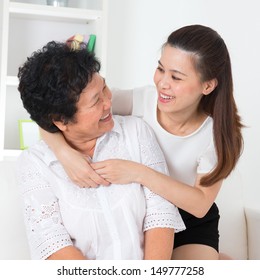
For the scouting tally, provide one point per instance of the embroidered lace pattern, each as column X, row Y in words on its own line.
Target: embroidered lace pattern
column 42, row 192
column 43, row 218
column 160, row 214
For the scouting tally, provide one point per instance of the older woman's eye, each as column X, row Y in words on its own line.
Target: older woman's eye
column 98, row 100
column 176, row 78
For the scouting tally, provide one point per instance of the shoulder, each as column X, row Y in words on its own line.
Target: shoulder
column 145, row 89
column 205, row 130
column 144, row 99
column 208, row 123
column 136, row 128
column 141, row 94
column 31, row 157
column 31, row 168
column 27, row 154
column 132, row 122
column 125, row 121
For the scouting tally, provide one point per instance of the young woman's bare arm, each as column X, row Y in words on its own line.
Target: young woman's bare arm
column 194, row 199
column 75, row 164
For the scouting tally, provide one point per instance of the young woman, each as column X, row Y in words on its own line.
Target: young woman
column 194, row 116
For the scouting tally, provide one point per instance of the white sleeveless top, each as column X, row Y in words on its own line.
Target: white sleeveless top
column 186, row 156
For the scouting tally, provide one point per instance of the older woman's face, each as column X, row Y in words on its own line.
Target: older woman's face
column 93, row 117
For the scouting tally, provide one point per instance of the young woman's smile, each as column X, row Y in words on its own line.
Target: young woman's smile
column 178, row 84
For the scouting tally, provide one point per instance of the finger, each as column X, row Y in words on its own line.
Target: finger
column 102, row 181
column 99, row 164
column 100, row 172
column 88, row 184
column 95, row 177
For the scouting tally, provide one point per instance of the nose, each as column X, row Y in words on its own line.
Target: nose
column 107, row 99
column 164, row 82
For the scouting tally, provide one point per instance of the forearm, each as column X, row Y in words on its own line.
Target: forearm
column 54, row 140
column 75, row 164
column 189, row 198
column 67, row 253
column 194, row 199
column 158, row 244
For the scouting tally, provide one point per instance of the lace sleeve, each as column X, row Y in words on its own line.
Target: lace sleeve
column 151, row 153
column 45, row 231
column 159, row 212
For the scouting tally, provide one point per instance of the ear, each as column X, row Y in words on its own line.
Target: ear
column 61, row 126
column 209, row 86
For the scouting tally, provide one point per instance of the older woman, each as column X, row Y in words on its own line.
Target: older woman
column 63, row 91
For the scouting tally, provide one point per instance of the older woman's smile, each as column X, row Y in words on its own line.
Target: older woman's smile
column 107, row 117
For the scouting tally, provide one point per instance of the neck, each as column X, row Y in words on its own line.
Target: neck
column 181, row 124
column 85, row 147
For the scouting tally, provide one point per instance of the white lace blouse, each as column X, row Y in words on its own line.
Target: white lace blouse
column 103, row 222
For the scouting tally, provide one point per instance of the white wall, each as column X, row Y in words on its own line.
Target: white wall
column 137, row 29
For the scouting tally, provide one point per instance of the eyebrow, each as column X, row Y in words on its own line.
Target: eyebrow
column 172, row 70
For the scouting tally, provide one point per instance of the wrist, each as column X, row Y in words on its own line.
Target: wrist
column 63, row 151
column 142, row 174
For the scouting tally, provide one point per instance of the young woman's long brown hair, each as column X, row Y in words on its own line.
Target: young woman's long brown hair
column 212, row 61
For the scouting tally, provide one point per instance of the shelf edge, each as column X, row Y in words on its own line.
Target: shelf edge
column 44, row 11
column 12, row 81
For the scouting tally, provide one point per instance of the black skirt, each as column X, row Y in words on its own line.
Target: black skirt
column 199, row 230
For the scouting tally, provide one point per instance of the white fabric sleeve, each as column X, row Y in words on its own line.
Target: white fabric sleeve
column 45, row 231
column 129, row 102
column 122, row 102
column 159, row 212
column 208, row 160
column 139, row 95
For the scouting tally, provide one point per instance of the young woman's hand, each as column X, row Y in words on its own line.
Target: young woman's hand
column 79, row 170
column 118, row 171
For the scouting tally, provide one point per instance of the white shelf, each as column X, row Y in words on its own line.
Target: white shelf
column 24, row 28
column 31, row 11
column 12, row 81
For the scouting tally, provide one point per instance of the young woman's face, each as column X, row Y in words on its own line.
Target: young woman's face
column 93, row 117
column 178, row 84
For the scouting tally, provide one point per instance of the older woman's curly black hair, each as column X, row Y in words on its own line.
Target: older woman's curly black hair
column 51, row 81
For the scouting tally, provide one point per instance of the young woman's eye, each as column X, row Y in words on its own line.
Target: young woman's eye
column 105, row 88
column 160, row 69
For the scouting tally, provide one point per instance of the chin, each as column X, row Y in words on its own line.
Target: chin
column 108, row 125
column 164, row 108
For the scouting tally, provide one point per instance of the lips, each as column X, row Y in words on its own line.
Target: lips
column 165, row 98
column 106, row 117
